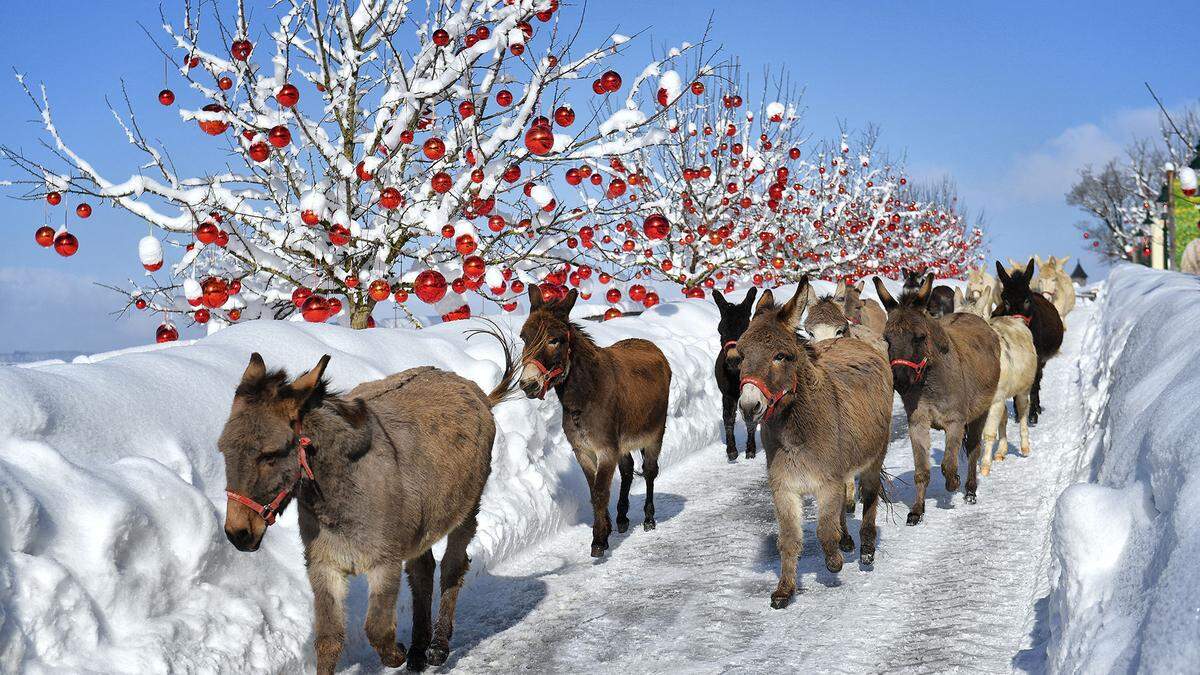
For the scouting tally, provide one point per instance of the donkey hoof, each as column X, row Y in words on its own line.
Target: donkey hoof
column 970, row 498
column 731, row 454
column 846, row 544
column 849, row 507
column 1025, row 450
column 622, row 524
column 914, row 518
column 780, row 600
column 750, row 453
column 598, row 551
column 392, row 657
column 952, row 483
column 1000, row 456
column 650, row 524
column 834, row 563
column 866, row 557
column 436, row 655
column 985, row 471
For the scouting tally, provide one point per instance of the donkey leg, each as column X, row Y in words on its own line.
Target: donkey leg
column 869, row 486
column 974, row 447
column 1023, row 420
column 380, row 626
column 420, row 581
column 729, row 416
column 650, row 472
column 846, row 542
column 601, row 489
column 1035, row 395
column 831, row 519
column 625, row 466
column 850, row 495
column 989, row 439
column 329, row 596
column 455, row 564
column 918, row 436
column 789, row 511
column 954, row 444
column 751, row 430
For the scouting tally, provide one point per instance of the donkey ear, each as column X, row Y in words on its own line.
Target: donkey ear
column 959, row 300
column 718, row 298
column 859, row 285
column 1029, row 270
column 767, row 301
column 925, row 290
column 790, row 313
column 304, row 386
column 889, row 303
column 535, row 297
column 840, row 288
column 256, row 370
column 1002, row 273
column 565, row 305
column 1063, row 261
column 810, row 294
column 748, row 301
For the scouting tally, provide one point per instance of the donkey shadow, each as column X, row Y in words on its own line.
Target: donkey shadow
column 812, row 558
column 667, row 505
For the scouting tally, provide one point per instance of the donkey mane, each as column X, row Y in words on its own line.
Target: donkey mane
column 274, row 385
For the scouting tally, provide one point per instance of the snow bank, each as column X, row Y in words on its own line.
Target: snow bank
column 112, row 554
column 1124, row 596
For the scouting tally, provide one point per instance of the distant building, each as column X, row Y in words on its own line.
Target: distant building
column 1079, row 276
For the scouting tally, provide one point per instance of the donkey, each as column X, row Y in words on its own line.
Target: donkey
column 945, row 371
column 1053, row 282
column 858, row 310
column 1018, row 367
column 983, row 291
column 734, row 319
column 1018, row 299
column 825, row 320
column 941, row 301
column 380, row 474
column 614, row 401
column 825, row 412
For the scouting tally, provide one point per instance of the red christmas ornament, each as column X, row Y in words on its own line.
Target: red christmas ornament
column 441, row 38
column 288, row 95
column 435, row 148
column 259, row 151
column 612, row 313
column 201, row 315
column 224, row 84
column 44, row 236
column 611, row 80
column 379, row 290
column 334, row 305
column 613, row 295
column 441, row 182
column 339, row 235
column 465, row 244
column 430, row 286
column 352, row 282
column 166, row 97
column 539, row 140
column 651, row 300
column 279, row 136
column 474, row 267
column 53, row 198
column 207, row 232
column 400, row 296
column 300, row 295
column 390, row 198
column 564, row 116
column 166, row 333
column 466, row 109
column 215, row 292
column 213, row 127
column 84, row 210
column 637, row 292
column 656, row 226
column 459, row 314
column 310, row 217
column 697, row 87
column 504, row 98
column 616, row 188
column 315, row 309
column 362, row 172
column 240, row 49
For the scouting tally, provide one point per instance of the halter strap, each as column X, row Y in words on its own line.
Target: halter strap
column 551, row 373
column 725, row 347
column 772, row 398
column 1022, row 317
column 268, row 512
column 918, row 367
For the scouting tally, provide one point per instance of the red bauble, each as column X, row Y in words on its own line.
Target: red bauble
column 656, row 226
column 225, row 84
column 139, row 303
column 612, row 313
column 564, row 116
column 259, row 151
column 697, row 87
column 310, row 217
column 44, row 236
column 466, row 109
column 166, row 333
column 84, row 210
column 334, row 305
column 693, row 292
column 166, row 97
column 315, row 309
column 216, row 292
column 637, row 292
column 362, row 172
column 201, row 316
column 441, row 182
column 539, row 140
column 400, row 296
column 613, row 295
column 611, row 80
column 240, row 49
column 53, row 198
column 430, row 286
column 300, row 295
column 496, row 223
column 465, row 244
column 598, row 87
column 379, row 290
column 279, row 136
column 213, row 127
column 207, row 232
column 435, row 148
column 474, row 267
column 288, row 95
column 66, row 244
column 651, row 300
column 616, row 188
column 459, row 314
column 504, row 98
column 352, row 282
column 441, row 38
column 153, row 267
column 390, row 198
column 339, row 235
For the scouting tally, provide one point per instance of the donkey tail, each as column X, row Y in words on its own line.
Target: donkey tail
column 504, row 389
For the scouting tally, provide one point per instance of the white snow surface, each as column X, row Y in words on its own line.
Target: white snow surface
column 1124, row 596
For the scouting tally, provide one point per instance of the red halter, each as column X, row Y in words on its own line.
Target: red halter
column 1022, row 317
column 918, row 367
column 772, row 398
column 268, row 511
column 727, row 345
column 549, row 373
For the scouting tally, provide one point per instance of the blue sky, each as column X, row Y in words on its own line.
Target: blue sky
column 1008, row 98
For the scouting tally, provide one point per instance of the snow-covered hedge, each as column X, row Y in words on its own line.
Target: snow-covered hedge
column 112, row 554
column 1124, row 595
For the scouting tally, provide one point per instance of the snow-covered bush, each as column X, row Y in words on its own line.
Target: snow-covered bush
column 1124, row 593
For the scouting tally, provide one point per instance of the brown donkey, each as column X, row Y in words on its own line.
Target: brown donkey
column 380, row 475
column 945, row 371
column 825, row 413
column 864, row 312
column 614, row 401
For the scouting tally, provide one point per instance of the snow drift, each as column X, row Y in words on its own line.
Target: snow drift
column 1124, row 596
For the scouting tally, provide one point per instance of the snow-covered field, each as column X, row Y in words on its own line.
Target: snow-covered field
column 113, row 559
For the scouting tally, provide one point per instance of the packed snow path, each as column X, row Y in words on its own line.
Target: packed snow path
column 959, row 591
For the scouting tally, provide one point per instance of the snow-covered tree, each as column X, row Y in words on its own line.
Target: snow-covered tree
column 367, row 160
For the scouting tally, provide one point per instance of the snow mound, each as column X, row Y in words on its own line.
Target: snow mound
column 1124, row 596
column 112, row 548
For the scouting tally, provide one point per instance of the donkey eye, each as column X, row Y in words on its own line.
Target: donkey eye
column 918, row 338
column 781, row 357
column 554, row 342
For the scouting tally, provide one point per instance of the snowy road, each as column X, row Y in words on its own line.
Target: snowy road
column 958, row 592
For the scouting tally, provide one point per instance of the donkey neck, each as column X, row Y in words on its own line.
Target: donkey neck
column 588, row 373
column 337, row 448
column 808, row 398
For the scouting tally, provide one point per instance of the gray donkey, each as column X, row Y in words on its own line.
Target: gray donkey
column 380, row 474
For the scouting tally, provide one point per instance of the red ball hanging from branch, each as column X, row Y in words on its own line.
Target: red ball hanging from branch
column 279, row 136
column 65, row 244
column 240, row 49
column 288, row 95
column 213, row 127
column 656, row 226
column 215, row 292
column 430, row 286
column 315, row 309
column 54, row 198
column 166, row 332
column 166, row 97
column 44, row 236
column 539, row 140
column 84, row 210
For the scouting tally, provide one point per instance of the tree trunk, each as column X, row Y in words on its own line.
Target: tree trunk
column 360, row 314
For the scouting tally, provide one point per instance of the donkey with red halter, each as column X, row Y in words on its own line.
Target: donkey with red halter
column 614, row 401
column 945, row 371
column 380, row 475
column 1018, row 299
column 735, row 317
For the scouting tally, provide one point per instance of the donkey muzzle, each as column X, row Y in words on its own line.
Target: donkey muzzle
column 243, row 527
column 752, row 402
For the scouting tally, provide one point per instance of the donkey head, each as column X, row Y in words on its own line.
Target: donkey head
column 770, row 355
column 914, row 338
column 980, row 286
column 546, row 358
column 1016, row 297
column 261, row 445
column 735, row 316
column 1048, row 275
column 849, row 298
column 826, row 320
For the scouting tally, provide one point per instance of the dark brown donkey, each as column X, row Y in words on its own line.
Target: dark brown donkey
column 1017, row 299
column 945, row 371
column 380, row 475
column 614, row 401
column 735, row 316
column 826, row 412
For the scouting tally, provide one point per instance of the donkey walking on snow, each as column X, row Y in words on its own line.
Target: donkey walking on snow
column 735, row 317
column 380, row 475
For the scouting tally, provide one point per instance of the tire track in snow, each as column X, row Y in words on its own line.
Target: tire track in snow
column 956, row 593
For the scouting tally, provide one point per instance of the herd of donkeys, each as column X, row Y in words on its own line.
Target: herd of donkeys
column 383, row 472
